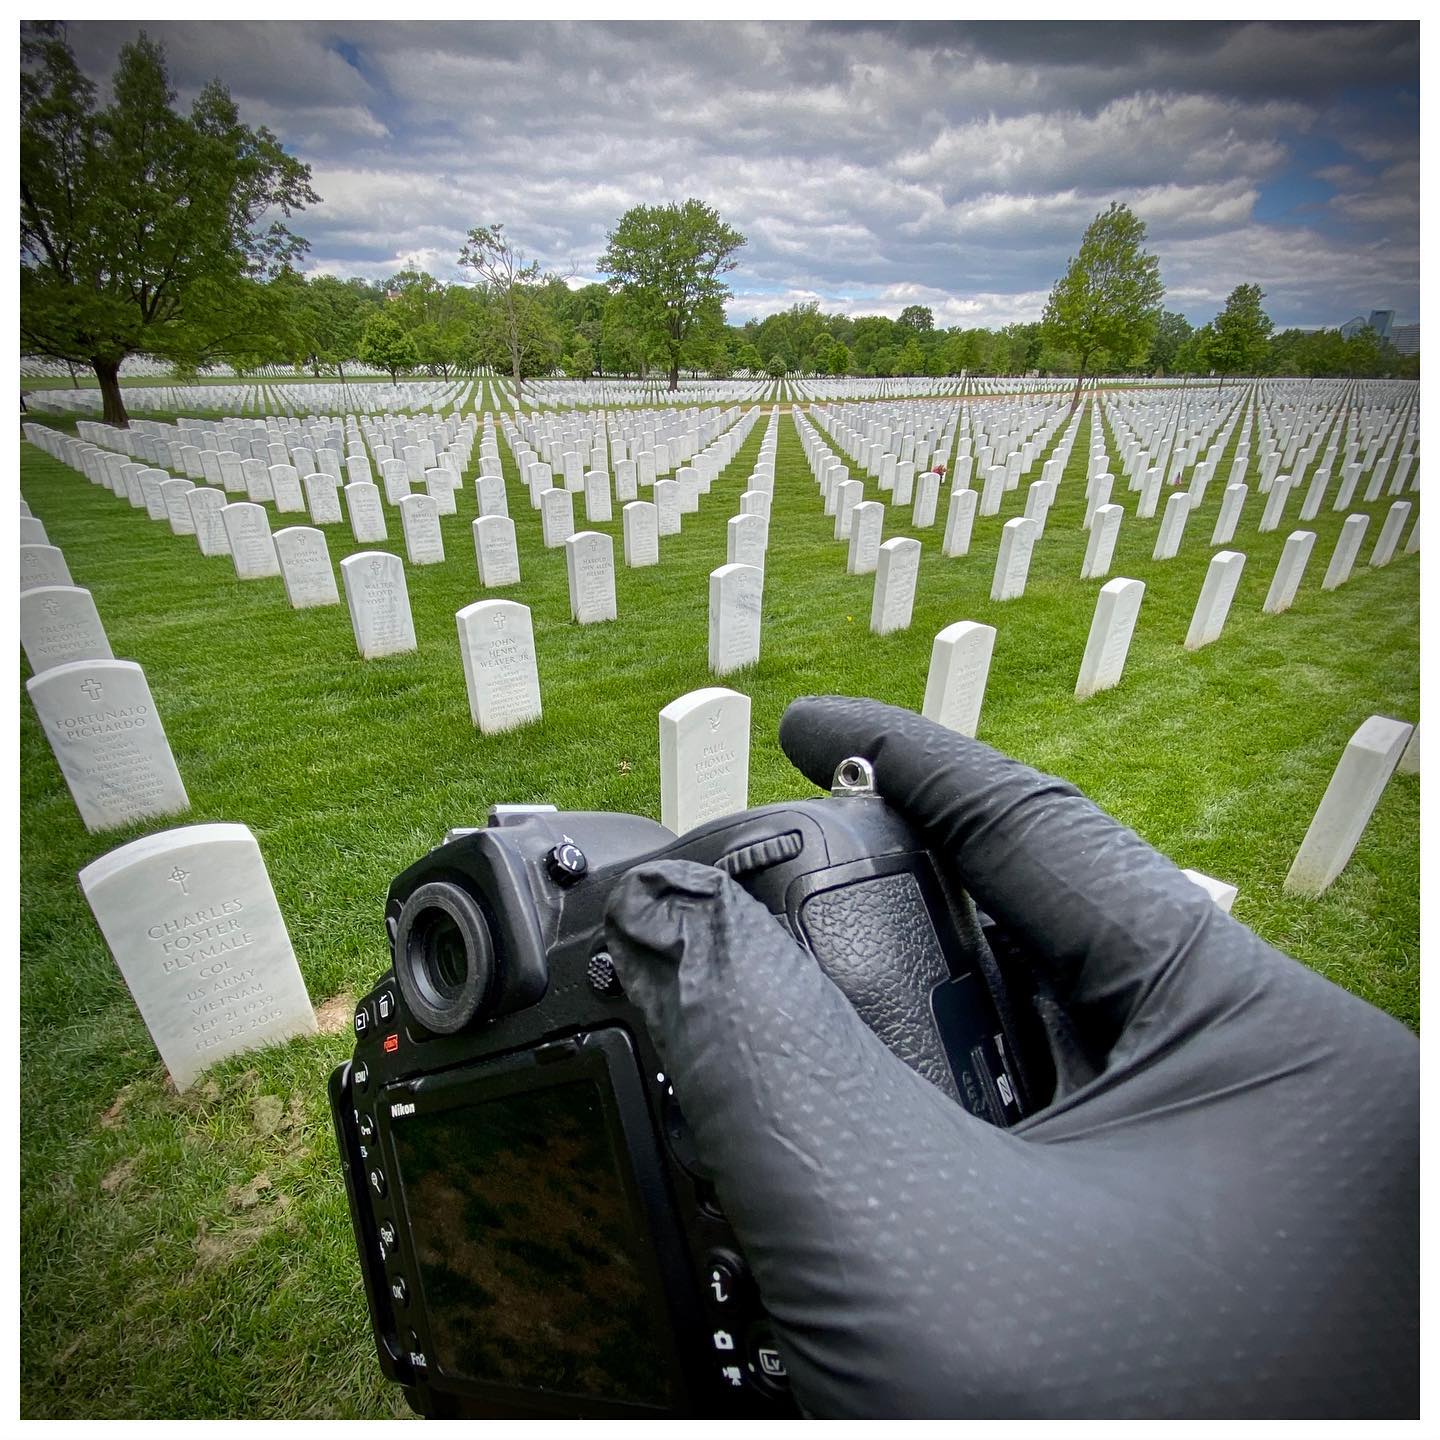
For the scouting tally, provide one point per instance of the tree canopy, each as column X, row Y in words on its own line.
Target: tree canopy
column 1108, row 300
column 668, row 260
column 1240, row 334
column 142, row 230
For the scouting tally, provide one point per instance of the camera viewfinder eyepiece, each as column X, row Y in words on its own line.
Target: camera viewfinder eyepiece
column 444, row 958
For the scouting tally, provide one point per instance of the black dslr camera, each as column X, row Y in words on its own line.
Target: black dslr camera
column 537, row 1235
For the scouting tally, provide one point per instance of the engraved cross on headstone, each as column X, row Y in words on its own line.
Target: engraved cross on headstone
column 179, row 877
column 92, row 688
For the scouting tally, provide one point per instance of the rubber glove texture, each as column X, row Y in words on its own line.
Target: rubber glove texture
column 1216, row 1215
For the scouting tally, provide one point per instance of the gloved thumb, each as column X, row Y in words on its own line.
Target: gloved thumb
column 810, row 1127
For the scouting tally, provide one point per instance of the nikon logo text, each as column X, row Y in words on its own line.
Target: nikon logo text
column 404, row 1108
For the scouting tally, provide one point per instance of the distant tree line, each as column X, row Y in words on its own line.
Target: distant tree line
column 148, row 231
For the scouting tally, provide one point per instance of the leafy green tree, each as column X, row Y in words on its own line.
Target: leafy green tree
column 1192, row 355
column 516, row 316
column 622, row 339
column 141, row 228
column 1172, row 330
column 776, row 368
column 386, row 344
column 332, row 316
column 1108, row 300
column 747, row 357
column 669, row 259
column 840, row 360
column 579, row 364
column 1240, row 335
column 917, row 317
column 911, row 360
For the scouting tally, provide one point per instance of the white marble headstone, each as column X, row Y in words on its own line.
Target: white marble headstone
column 42, row 565
column 247, row 527
column 1350, row 799
column 704, row 757
column 1216, row 594
column 420, row 520
column 642, row 544
column 305, row 567
column 1117, row 607
column 59, row 624
column 496, row 557
column 896, row 573
column 959, row 668
column 497, row 649
column 192, row 921
column 590, row 571
column 1290, row 571
column 379, row 603
column 735, row 596
column 367, row 515
column 100, row 720
column 1347, row 547
column 959, row 522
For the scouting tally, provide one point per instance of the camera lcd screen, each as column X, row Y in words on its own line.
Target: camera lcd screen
column 530, row 1248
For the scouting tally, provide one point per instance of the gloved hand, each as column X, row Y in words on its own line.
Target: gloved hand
column 1217, row 1214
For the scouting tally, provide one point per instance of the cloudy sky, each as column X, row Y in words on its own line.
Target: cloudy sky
column 870, row 165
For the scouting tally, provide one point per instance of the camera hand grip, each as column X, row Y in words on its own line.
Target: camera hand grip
column 874, row 938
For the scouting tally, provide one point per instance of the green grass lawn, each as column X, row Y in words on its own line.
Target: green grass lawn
column 192, row 1255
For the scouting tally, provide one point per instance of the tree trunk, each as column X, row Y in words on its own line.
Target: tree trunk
column 1075, row 398
column 674, row 374
column 107, row 372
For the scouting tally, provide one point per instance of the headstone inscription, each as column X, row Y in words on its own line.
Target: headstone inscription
column 367, row 515
column 192, row 921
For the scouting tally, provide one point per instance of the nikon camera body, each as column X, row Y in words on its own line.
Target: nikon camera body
column 537, row 1234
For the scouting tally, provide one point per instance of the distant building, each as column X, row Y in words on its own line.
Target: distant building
column 1380, row 322
column 1406, row 339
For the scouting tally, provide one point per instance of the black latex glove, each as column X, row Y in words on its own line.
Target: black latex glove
column 1220, row 1218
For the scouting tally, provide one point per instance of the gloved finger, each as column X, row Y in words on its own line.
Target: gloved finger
column 1113, row 924
column 810, row 1127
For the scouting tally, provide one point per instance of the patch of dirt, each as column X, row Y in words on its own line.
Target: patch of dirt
column 118, row 1177
column 334, row 1015
column 218, row 1247
column 113, row 1117
column 267, row 1113
column 246, row 1197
